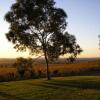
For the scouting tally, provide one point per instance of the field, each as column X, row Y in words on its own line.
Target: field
column 70, row 68
column 62, row 88
column 88, row 68
column 71, row 87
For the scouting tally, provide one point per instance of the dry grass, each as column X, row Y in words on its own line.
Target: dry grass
column 62, row 68
column 5, row 70
column 76, row 67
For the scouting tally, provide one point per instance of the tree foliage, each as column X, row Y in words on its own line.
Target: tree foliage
column 40, row 26
column 22, row 65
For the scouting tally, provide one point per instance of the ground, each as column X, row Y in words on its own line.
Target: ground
column 62, row 88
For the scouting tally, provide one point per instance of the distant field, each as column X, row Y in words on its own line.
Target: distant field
column 91, row 66
column 76, row 67
column 63, row 88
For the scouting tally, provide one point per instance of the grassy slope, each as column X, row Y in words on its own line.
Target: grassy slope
column 69, row 88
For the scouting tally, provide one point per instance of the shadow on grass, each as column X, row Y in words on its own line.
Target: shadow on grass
column 12, row 97
column 70, row 83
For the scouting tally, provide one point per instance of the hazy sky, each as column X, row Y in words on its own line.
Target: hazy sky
column 83, row 21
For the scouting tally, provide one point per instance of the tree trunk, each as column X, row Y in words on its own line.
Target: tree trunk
column 48, row 72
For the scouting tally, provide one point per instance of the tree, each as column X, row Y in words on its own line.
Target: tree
column 23, row 65
column 71, row 59
column 39, row 26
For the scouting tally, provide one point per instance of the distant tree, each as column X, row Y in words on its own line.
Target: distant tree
column 30, row 64
column 39, row 26
column 71, row 59
column 22, row 65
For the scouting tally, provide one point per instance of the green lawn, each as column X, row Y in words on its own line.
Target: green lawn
column 67, row 88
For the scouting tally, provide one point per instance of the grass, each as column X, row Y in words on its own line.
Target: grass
column 62, row 88
column 62, row 68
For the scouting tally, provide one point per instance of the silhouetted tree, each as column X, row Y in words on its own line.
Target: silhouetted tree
column 30, row 67
column 39, row 26
column 71, row 59
column 23, row 65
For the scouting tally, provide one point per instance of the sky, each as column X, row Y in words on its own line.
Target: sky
column 83, row 22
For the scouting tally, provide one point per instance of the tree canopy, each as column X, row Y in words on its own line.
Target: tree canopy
column 40, row 26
